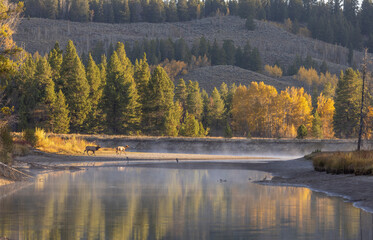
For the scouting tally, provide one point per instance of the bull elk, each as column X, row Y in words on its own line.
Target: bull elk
column 92, row 149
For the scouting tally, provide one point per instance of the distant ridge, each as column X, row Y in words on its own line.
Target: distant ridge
column 274, row 43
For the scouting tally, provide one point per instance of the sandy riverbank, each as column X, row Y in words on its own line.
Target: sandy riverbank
column 298, row 172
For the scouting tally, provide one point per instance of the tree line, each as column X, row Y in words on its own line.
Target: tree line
column 158, row 50
column 333, row 21
column 59, row 93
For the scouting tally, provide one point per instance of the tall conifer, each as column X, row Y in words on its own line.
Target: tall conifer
column 160, row 100
column 75, row 87
column 347, row 102
column 60, row 116
column 55, row 61
column 47, row 95
column 181, row 93
column 194, row 100
column 93, row 123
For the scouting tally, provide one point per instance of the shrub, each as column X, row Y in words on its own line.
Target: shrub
column 274, row 71
column 30, row 137
column 228, row 131
column 302, row 132
column 6, row 146
column 358, row 162
column 56, row 144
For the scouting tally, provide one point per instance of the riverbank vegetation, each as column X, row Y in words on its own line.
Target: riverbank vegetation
column 55, row 144
column 356, row 162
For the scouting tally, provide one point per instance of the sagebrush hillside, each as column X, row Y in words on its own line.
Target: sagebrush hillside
column 274, row 43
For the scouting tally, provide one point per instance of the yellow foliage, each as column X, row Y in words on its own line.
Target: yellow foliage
column 303, row 31
column 274, row 71
column 174, row 68
column 56, row 144
column 262, row 112
column 325, row 109
column 368, row 123
column 328, row 77
column 308, row 76
column 240, row 110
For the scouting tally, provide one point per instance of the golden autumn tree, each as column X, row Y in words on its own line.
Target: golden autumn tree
column 9, row 18
column 240, row 108
column 262, row 112
column 301, row 107
column 325, row 109
column 261, row 98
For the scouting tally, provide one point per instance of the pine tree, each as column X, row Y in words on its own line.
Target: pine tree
column 159, row 100
column 26, row 90
column 232, row 91
column 255, row 61
column 224, row 93
column 47, row 95
column 215, row 110
column 132, row 115
column 181, row 93
column 60, row 117
column 55, row 61
column 103, row 68
column 121, row 101
column 171, row 12
column 142, row 76
column 79, row 11
column 316, row 126
column 93, row 123
column 217, row 55
column 347, row 102
column 75, row 87
column 113, row 106
column 190, row 126
column 182, row 10
column 194, row 100
column 122, row 55
column 230, row 52
column 302, row 132
column 173, row 120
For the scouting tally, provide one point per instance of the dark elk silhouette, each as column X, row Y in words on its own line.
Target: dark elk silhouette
column 92, row 149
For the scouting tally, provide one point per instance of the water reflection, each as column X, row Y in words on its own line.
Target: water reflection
column 141, row 203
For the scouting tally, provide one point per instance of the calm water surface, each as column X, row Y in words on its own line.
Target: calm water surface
column 156, row 203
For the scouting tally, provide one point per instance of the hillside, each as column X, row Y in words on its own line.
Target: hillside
column 214, row 76
column 273, row 42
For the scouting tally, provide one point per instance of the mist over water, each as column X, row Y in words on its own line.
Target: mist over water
column 278, row 148
column 159, row 203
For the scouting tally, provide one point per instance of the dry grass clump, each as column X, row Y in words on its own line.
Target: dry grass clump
column 55, row 144
column 358, row 162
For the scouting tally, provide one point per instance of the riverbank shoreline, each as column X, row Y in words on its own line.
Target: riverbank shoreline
column 297, row 172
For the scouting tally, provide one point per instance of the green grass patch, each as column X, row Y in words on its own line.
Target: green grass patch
column 357, row 162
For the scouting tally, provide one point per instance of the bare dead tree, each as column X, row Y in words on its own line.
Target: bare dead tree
column 364, row 69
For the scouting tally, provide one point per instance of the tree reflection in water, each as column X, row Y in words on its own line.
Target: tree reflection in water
column 156, row 203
